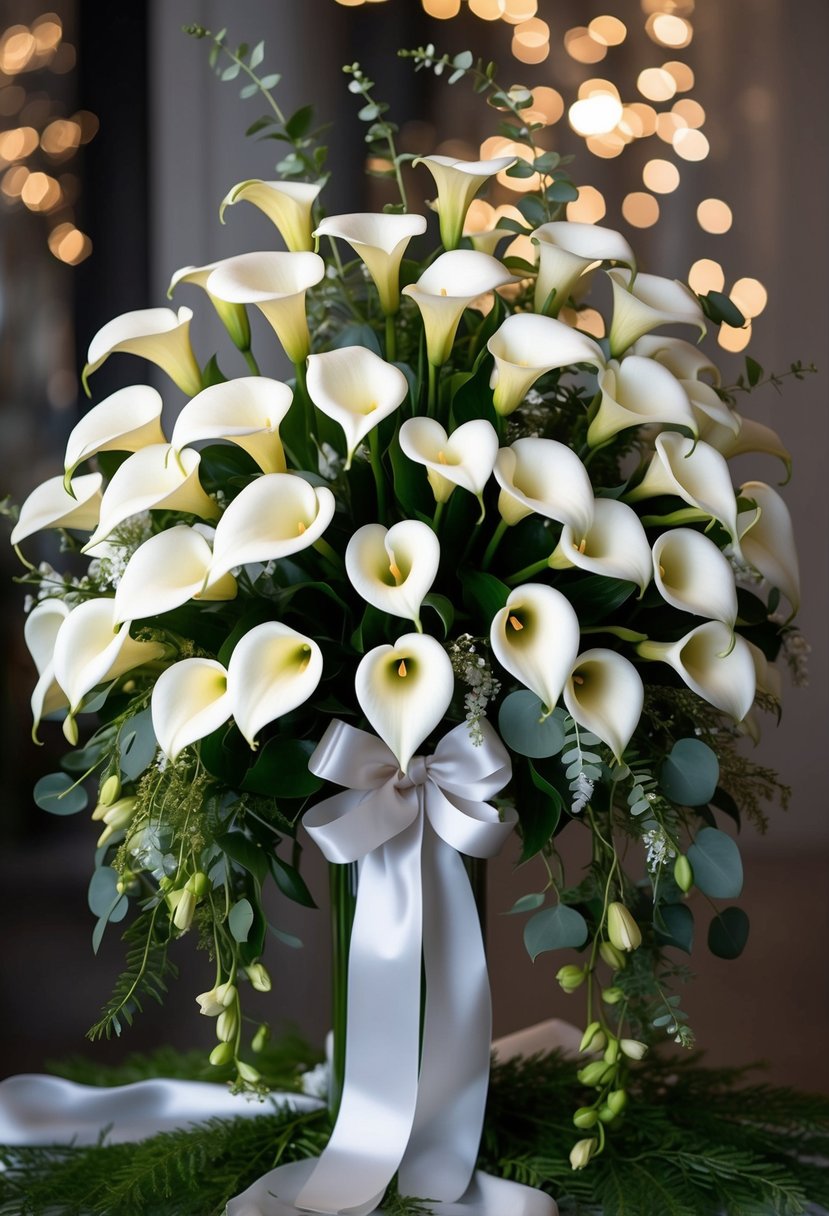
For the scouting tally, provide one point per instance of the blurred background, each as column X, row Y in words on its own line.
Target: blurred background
column 704, row 142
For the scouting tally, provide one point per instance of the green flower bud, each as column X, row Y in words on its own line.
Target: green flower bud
column 70, row 730
column 261, row 1038
column 185, row 907
column 198, row 883
column 585, row 1117
column 258, row 976
column 571, row 977
column 606, row 1115
column 128, row 883
column 613, row 957
column 611, row 1054
column 593, row 1073
column 581, row 1152
column 633, row 1049
column 221, row 1054
column 612, row 996
column 227, row 1024
column 622, row 929
column 617, row 1100
column 683, row 873
column 247, row 1072
column 120, row 813
column 110, row 790
column 590, row 1038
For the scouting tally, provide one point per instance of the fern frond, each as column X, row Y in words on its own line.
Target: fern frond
column 147, row 971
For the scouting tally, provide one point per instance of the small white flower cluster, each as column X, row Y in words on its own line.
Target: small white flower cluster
column 743, row 572
column 659, row 848
column 107, row 569
column 796, row 651
column 475, row 671
column 582, row 789
column 315, row 1081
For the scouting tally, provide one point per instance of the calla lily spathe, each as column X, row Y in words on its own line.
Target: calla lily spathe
column 287, row 205
column 394, row 570
column 649, row 301
column 190, row 700
column 380, row 240
column 712, row 415
column 446, row 288
column 714, row 663
column 738, row 436
column 168, row 570
column 483, row 225
column 545, row 477
column 158, row 334
column 639, row 392
column 273, row 517
column 458, row 181
column 123, row 422
column 604, row 694
column 273, row 670
column 614, row 545
column 276, row 283
column 246, row 411
column 686, row 361
column 40, row 631
column 693, row 575
column 234, row 317
column 768, row 677
column 356, row 388
column 51, row 505
column 767, row 540
column 694, row 472
column 525, row 347
column 404, row 690
column 465, row 458
column 535, row 637
column 565, row 252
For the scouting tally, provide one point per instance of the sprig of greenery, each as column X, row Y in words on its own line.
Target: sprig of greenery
column 147, row 970
column 380, row 135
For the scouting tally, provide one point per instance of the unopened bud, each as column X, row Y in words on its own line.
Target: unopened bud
column 633, row 1049
column 593, row 1073
column 622, row 929
column 683, row 873
column 585, row 1117
column 110, row 790
column 247, row 1072
column 226, row 994
column 581, row 1152
column 119, row 813
column 613, row 957
column 258, row 976
column 127, row 884
column 261, row 1038
column 606, row 1115
column 227, row 1024
column 198, row 883
column 70, row 730
column 185, row 907
column 570, row 977
column 617, row 1100
column 221, row 1054
column 611, row 1052
column 589, row 1040
column 612, row 996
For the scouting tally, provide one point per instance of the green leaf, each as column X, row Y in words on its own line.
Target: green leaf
column 677, row 928
column 720, row 309
column 521, row 168
column 270, row 82
column 248, row 90
column 526, row 903
column 103, row 897
column 58, row 794
column 444, row 609
column 754, row 372
column 690, row 773
column 358, row 334
column 547, row 162
column 257, row 55
column 299, row 124
column 281, row 771
column 290, row 882
column 524, row 730
column 484, row 593
column 231, row 72
column 728, row 933
column 246, row 853
column 554, row 929
column 715, row 859
column 562, row 191
column 137, row 745
column 532, row 209
column 240, row 920
column 287, row 939
column 261, row 124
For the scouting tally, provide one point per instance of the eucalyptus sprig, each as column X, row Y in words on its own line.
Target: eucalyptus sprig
column 380, row 135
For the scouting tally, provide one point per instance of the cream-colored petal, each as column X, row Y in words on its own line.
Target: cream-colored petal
column 615, row 545
column 535, row 637
column 158, row 334
column 41, row 631
column 749, row 436
column 276, row 283
column 696, row 473
column 90, row 649
column 714, row 663
column 686, row 361
column 566, row 250
column 639, row 392
column 546, row 477
column 693, row 575
column 287, row 205
column 649, row 302
column 767, row 540
column 465, row 458
column 768, row 677
column 380, row 239
column 714, row 418
column 356, row 388
column 246, row 411
column 165, row 572
column 233, row 316
column 123, row 422
column 604, row 693
column 458, row 181
column 446, row 288
column 190, row 700
column 50, row 506
column 525, row 347
column 273, row 670
column 274, row 516
column 394, row 570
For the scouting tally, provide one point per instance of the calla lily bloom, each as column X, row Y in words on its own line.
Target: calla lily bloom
column 157, row 334
column 458, row 181
column 465, row 458
column 169, row 569
column 273, row 670
column 152, row 478
column 380, row 240
column 686, row 361
column 446, row 288
column 565, row 251
column 614, row 545
column 190, row 700
column 357, row 389
column 246, row 411
column 767, row 540
column 123, row 422
column 693, row 575
column 90, row 648
column 639, row 392
column 287, row 205
column 40, row 631
column 696, row 473
column 394, row 570
column 713, row 416
column 50, row 505
column 546, row 477
column 404, row 690
column 233, row 316
column 276, row 283
column 646, row 303
column 535, row 637
column 766, row 674
column 483, row 228
column 737, row 436
column 715, row 664
column 525, row 347
column 274, row 516
column 604, row 694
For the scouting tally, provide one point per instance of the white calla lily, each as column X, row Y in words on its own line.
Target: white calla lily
column 168, row 570
column 483, row 224
column 446, row 288
column 287, row 205
column 693, row 575
column 745, row 435
column 152, row 478
column 380, row 240
column 276, row 283
column 465, row 458
column 566, row 250
column 545, row 477
column 41, row 631
column 714, row 418
column 525, row 347
column 768, row 677
column 394, row 570
column 123, row 422
column 404, row 690
column 158, row 334
column 234, row 317
column 274, row 516
column 458, row 181
column 535, row 637
column 696, row 473
column 246, row 411
column 767, row 540
column 90, row 648
column 647, row 302
column 686, row 361
column 614, row 545
column 51, row 505
column 190, row 700
column 604, row 694
column 714, row 663
column 273, row 670
column 639, row 392
column 356, row 388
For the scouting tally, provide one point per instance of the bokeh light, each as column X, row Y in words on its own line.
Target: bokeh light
column 668, row 29
column 682, row 74
column 734, row 340
column 690, row 111
column 547, row 106
column 589, row 207
column 656, row 84
column 607, row 31
column 442, row 9
column 488, row 10
column 581, row 46
column 595, row 115
column 516, row 11
column 69, row 244
column 750, row 296
column 713, row 215
column 640, row 210
column 660, row 176
column 690, row 144
column 706, row 275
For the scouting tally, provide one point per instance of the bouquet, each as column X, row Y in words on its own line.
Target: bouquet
column 473, row 576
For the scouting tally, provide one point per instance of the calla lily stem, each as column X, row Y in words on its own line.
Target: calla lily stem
column 432, row 400
column 489, row 552
column 377, row 470
column 251, row 362
column 530, row 571
column 436, row 518
column 391, row 339
column 322, row 546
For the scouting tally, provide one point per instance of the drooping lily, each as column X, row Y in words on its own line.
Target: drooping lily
column 274, row 516
column 565, row 251
column 40, row 631
column 155, row 477
column 693, row 575
column 158, row 334
column 234, row 317
column 287, row 205
column 246, row 411
column 458, row 181
column 546, row 477
column 686, row 361
column 394, row 570
column 525, row 347
column 50, row 505
column 639, row 392
column 168, row 570
column 380, row 240
column 614, row 545
column 446, row 288
column 190, row 700
column 276, row 283
column 767, row 540
column 123, row 422
column 535, row 637
column 715, row 664
column 646, row 303
column 357, row 389
column 465, row 458
column 273, row 670
column 696, row 473
column 604, row 694
column 740, row 435
column 404, row 690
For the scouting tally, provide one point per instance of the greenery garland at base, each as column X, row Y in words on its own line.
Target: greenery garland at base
column 700, row 1141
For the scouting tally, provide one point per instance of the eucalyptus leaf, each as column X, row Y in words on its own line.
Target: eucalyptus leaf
column 137, row 745
column 690, row 773
column 554, row 929
column 728, row 933
column 718, row 869
column 58, row 794
column 526, row 903
column 103, row 891
column 240, row 920
column 524, row 729
column 677, row 927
